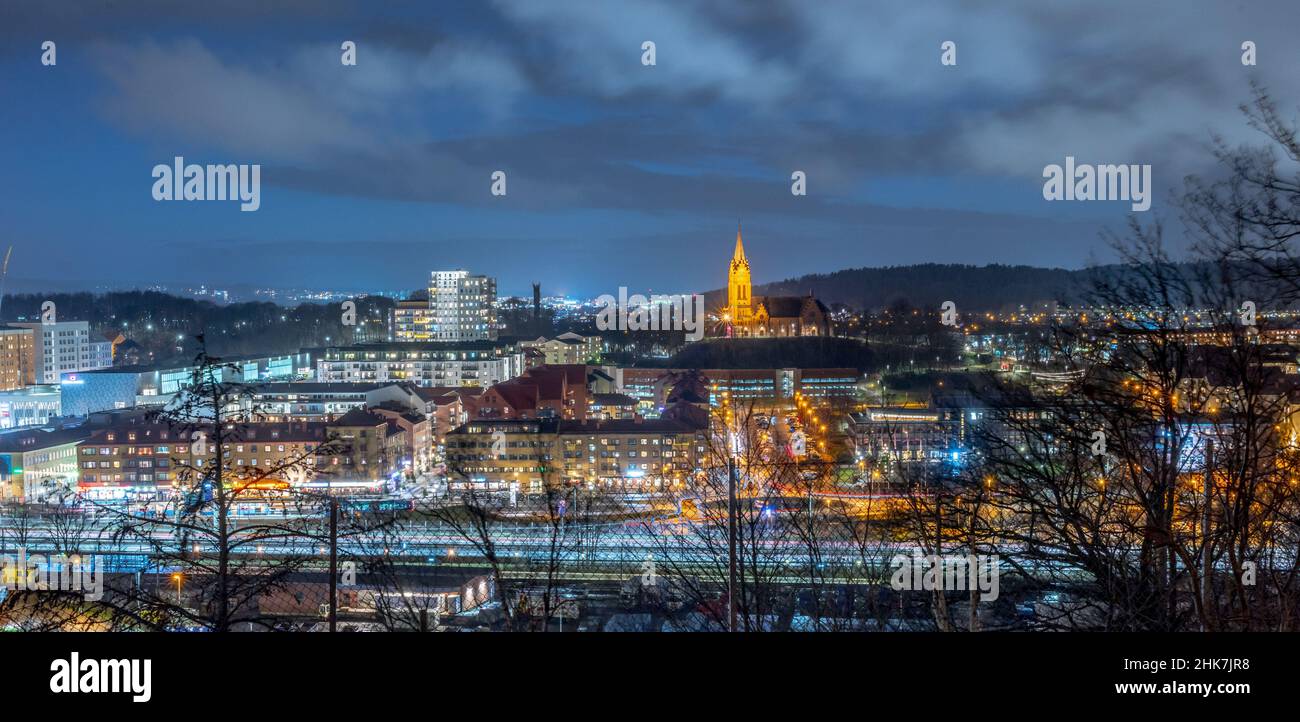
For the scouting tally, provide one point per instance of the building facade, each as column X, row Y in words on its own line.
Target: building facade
column 318, row 401
column 66, row 346
column 544, row 391
column 362, row 451
column 17, row 357
column 432, row 364
column 29, row 406
column 418, row 438
column 413, row 320
column 38, row 466
column 886, row 439
column 143, row 460
column 462, row 307
column 567, row 348
column 777, row 386
column 126, row 387
column 365, row 450
column 630, row 455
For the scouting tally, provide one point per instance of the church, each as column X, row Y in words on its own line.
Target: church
column 746, row 315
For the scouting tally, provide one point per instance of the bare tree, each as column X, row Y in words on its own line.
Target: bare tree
column 208, row 567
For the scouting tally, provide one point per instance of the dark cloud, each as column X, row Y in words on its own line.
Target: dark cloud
column 743, row 93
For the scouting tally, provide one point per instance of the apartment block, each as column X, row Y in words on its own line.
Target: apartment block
column 478, row 363
column 621, row 455
column 17, row 357
column 463, row 307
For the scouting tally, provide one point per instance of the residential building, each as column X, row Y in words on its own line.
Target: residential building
column 545, row 391
column 463, row 307
column 418, row 452
column 139, row 458
column 478, row 363
column 413, row 320
column 445, row 407
column 567, row 348
column 17, row 357
column 612, row 406
column 364, row 448
column 628, row 455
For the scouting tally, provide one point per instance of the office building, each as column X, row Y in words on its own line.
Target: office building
column 66, row 346
column 29, row 406
column 38, row 466
column 126, row 387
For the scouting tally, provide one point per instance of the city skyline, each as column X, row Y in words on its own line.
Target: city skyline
column 977, row 321
column 620, row 173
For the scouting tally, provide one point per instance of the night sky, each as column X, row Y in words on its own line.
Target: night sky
column 618, row 173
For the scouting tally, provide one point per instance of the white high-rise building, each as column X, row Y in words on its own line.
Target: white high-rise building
column 66, row 346
column 462, row 307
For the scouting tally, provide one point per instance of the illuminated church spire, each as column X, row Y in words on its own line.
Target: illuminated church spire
column 738, row 258
column 738, row 285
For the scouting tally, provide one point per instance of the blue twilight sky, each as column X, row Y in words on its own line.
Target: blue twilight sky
column 618, row 173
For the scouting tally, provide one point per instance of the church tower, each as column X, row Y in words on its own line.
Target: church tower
column 738, row 287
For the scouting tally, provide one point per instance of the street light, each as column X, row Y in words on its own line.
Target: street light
column 178, row 578
column 731, row 531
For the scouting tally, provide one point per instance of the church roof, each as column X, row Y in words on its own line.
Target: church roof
column 783, row 306
column 790, row 306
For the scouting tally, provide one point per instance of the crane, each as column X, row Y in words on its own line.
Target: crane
column 4, row 272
